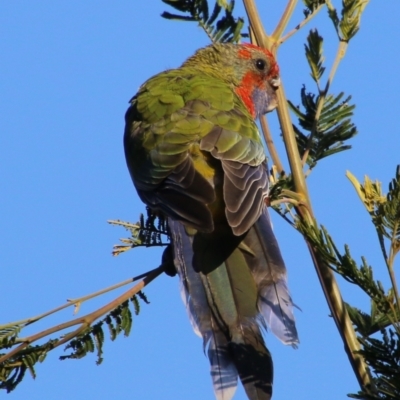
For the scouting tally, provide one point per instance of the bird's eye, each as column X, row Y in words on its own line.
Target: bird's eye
column 260, row 64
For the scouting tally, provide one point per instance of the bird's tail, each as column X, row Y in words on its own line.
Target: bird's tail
column 229, row 305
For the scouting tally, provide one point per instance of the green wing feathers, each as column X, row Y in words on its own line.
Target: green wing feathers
column 178, row 124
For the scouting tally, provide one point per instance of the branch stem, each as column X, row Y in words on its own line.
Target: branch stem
column 291, row 147
column 390, row 264
column 304, row 210
column 85, row 320
column 71, row 302
column 341, row 318
column 262, row 39
column 283, row 22
column 270, row 144
column 300, row 25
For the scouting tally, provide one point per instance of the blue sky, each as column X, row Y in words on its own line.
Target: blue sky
column 67, row 72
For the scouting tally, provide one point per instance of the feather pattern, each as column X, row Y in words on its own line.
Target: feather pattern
column 230, row 321
column 276, row 307
column 268, row 269
column 192, row 289
column 245, row 188
column 223, row 371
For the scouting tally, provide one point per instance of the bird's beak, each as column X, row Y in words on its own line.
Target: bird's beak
column 275, row 82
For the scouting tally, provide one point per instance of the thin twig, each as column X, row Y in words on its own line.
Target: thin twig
column 291, row 223
column 86, row 320
column 291, row 146
column 270, row 144
column 71, row 302
column 342, row 319
column 283, row 22
column 262, row 39
column 327, row 279
column 300, row 25
column 284, row 201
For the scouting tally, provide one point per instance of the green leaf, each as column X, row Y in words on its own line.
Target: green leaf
column 8, row 335
column 149, row 232
column 311, row 5
column 383, row 209
column 333, row 15
column 387, row 215
column 225, row 29
column 176, row 17
column 327, row 136
column 13, row 370
column 346, row 266
column 314, row 54
column 351, row 18
column 383, row 357
column 214, row 15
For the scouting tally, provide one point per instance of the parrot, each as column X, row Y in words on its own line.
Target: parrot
column 195, row 155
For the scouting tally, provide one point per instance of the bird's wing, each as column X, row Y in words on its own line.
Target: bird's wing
column 177, row 126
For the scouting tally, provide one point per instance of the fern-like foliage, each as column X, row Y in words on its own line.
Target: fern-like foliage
column 324, row 120
column 314, row 54
column 311, row 6
column 349, row 24
column 148, row 232
column 382, row 355
column 281, row 188
column 8, row 335
column 386, row 216
column 117, row 321
column 12, row 372
column 89, row 337
column 87, row 341
column 384, row 211
column 351, row 18
column 369, row 324
column 347, row 267
column 384, row 359
column 225, row 28
column 326, row 136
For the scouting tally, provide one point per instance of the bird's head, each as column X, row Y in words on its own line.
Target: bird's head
column 251, row 70
column 259, row 79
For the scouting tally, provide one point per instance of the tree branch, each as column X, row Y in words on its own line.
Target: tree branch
column 270, row 144
column 285, row 18
column 300, row 25
column 86, row 320
column 304, row 208
column 262, row 39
